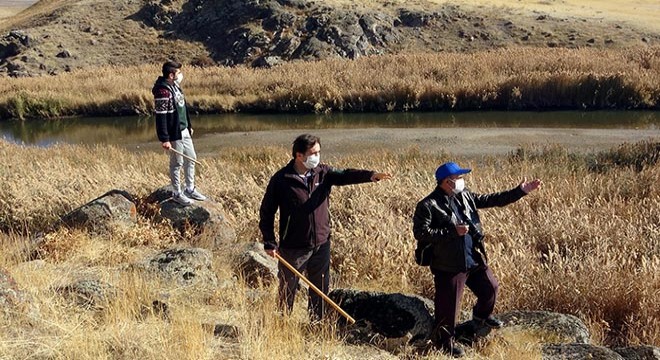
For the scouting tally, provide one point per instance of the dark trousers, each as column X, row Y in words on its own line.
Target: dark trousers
column 315, row 264
column 449, row 288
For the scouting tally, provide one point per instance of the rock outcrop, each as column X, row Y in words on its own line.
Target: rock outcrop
column 11, row 297
column 385, row 316
column 267, row 32
column 88, row 293
column 115, row 206
column 201, row 218
column 256, row 266
column 578, row 352
column 188, row 266
column 567, row 327
column 641, row 352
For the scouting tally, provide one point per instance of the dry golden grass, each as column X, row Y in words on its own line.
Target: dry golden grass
column 585, row 244
column 522, row 78
column 639, row 13
column 6, row 12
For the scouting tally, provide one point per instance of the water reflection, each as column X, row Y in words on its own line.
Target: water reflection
column 122, row 130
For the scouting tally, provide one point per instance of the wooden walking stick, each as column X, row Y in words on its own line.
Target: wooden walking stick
column 316, row 290
column 185, row 156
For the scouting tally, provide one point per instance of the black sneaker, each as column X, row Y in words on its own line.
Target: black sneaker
column 455, row 351
column 490, row 321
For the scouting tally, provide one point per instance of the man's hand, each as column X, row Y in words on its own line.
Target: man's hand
column 380, row 176
column 166, row 145
column 462, row 229
column 271, row 252
column 528, row 187
column 191, row 131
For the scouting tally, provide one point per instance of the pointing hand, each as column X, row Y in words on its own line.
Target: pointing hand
column 528, row 187
column 380, row 176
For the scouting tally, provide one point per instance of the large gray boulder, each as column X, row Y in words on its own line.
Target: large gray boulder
column 568, row 327
column 88, row 293
column 115, row 206
column 11, row 297
column 642, row 352
column 256, row 266
column 578, row 352
column 202, row 218
column 188, row 266
column 390, row 316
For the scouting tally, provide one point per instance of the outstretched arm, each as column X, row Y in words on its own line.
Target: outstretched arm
column 341, row 177
column 506, row 197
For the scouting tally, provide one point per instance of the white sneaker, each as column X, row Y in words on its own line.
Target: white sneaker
column 194, row 194
column 181, row 199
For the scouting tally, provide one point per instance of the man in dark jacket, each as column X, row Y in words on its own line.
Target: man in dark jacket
column 447, row 220
column 175, row 131
column 300, row 191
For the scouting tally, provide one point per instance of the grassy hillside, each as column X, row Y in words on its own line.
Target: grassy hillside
column 129, row 33
column 9, row 8
column 638, row 13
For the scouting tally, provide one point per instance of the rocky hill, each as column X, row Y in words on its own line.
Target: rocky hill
column 62, row 35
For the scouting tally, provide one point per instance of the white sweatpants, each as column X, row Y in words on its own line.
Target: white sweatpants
column 185, row 146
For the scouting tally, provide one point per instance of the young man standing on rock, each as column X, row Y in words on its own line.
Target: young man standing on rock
column 447, row 220
column 301, row 191
column 175, row 132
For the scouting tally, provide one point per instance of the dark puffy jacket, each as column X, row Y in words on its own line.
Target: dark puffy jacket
column 304, row 213
column 167, row 117
column 433, row 223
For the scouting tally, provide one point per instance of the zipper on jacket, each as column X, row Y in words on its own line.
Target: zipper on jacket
column 454, row 209
column 286, row 228
column 309, row 195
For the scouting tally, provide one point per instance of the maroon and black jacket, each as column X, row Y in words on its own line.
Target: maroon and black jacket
column 167, row 117
column 304, row 213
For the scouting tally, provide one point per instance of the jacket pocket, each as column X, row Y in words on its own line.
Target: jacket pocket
column 423, row 253
column 286, row 228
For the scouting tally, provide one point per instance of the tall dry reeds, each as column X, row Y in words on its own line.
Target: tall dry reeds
column 522, row 78
column 585, row 244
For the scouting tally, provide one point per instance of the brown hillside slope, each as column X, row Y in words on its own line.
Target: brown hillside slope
column 59, row 35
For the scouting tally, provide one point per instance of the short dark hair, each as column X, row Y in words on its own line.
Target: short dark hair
column 303, row 143
column 170, row 67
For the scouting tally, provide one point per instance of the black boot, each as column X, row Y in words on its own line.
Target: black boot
column 454, row 350
column 491, row 321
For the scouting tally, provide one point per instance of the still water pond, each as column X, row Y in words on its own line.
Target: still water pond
column 135, row 130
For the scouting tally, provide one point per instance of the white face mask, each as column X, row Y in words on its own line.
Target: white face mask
column 312, row 161
column 459, row 185
column 179, row 78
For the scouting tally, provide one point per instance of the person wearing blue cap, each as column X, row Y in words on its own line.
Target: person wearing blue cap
column 450, row 240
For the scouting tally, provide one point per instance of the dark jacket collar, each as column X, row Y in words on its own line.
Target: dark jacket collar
column 441, row 195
